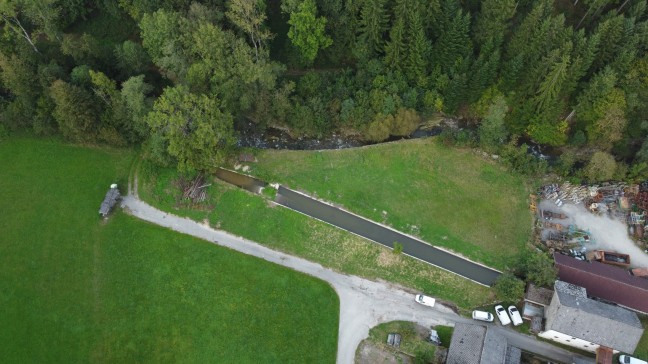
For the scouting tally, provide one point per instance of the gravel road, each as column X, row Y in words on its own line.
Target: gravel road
column 363, row 303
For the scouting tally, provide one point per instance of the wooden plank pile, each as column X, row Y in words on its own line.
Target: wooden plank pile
column 195, row 190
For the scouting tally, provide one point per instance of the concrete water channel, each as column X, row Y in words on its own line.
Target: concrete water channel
column 368, row 229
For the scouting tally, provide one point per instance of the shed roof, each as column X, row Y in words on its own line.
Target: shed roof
column 539, row 295
column 579, row 316
column 109, row 201
column 604, row 281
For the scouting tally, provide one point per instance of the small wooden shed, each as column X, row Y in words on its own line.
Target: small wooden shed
column 112, row 196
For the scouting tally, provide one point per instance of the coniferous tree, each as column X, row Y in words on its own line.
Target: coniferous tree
column 453, row 44
column 374, row 22
column 602, row 106
column 552, row 84
column 611, row 34
column 395, row 48
column 417, row 49
column 483, row 70
column 492, row 21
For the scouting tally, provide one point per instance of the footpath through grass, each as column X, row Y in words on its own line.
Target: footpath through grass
column 449, row 197
column 256, row 218
column 76, row 289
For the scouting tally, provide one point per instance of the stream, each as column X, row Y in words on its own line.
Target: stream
column 251, row 136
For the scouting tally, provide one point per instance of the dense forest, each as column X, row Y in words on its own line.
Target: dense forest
column 174, row 75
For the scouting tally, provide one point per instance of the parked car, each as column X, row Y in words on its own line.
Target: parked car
column 482, row 316
column 515, row 315
column 625, row 359
column 425, row 300
column 501, row 315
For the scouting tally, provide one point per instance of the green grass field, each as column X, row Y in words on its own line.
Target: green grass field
column 76, row 289
column 256, row 218
column 449, row 197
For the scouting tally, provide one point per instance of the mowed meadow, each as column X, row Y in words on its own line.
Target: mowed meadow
column 75, row 288
column 450, row 197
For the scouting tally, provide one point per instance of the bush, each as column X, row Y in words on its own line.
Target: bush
column 447, row 137
column 3, row 132
column 405, row 122
column 518, row 160
column 379, row 129
column 509, row 288
column 601, row 167
column 424, row 356
column 398, row 248
column 537, row 268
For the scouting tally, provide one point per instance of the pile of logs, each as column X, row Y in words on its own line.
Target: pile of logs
column 195, row 190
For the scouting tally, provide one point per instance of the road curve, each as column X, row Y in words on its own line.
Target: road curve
column 386, row 236
column 363, row 303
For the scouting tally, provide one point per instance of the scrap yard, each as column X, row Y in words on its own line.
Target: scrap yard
column 603, row 223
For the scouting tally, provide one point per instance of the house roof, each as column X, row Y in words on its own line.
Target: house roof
column 475, row 344
column 466, row 343
column 579, row 316
column 604, row 281
column 494, row 349
column 539, row 295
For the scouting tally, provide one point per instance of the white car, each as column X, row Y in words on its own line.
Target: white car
column 625, row 359
column 482, row 316
column 425, row 300
column 501, row 315
column 515, row 315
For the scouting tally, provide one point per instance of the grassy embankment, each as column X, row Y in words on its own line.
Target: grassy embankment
column 255, row 218
column 74, row 288
column 412, row 343
column 449, row 197
column 642, row 347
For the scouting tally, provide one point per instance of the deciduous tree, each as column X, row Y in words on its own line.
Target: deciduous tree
column 492, row 132
column 249, row 16
column 199, row 135
column 601, row 167
column 75, row 111
column 307, row 31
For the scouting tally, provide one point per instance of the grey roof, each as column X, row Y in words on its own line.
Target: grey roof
column 582, row 360
column 573, row 313
column 538, row 295
column 494, row 350
column 466, row 343
column 513, row 355
column 109, row 201
column 577, row 298
column 475, row 344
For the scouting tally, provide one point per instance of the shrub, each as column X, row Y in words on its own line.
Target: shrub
column 601, row 167
column 509, row 288
column 398, row 248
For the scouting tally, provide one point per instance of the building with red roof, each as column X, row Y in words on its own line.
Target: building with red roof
column 603, row 281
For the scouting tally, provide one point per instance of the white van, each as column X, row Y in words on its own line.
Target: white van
column 625, row 359
column 424, row 300
column 482, row 316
